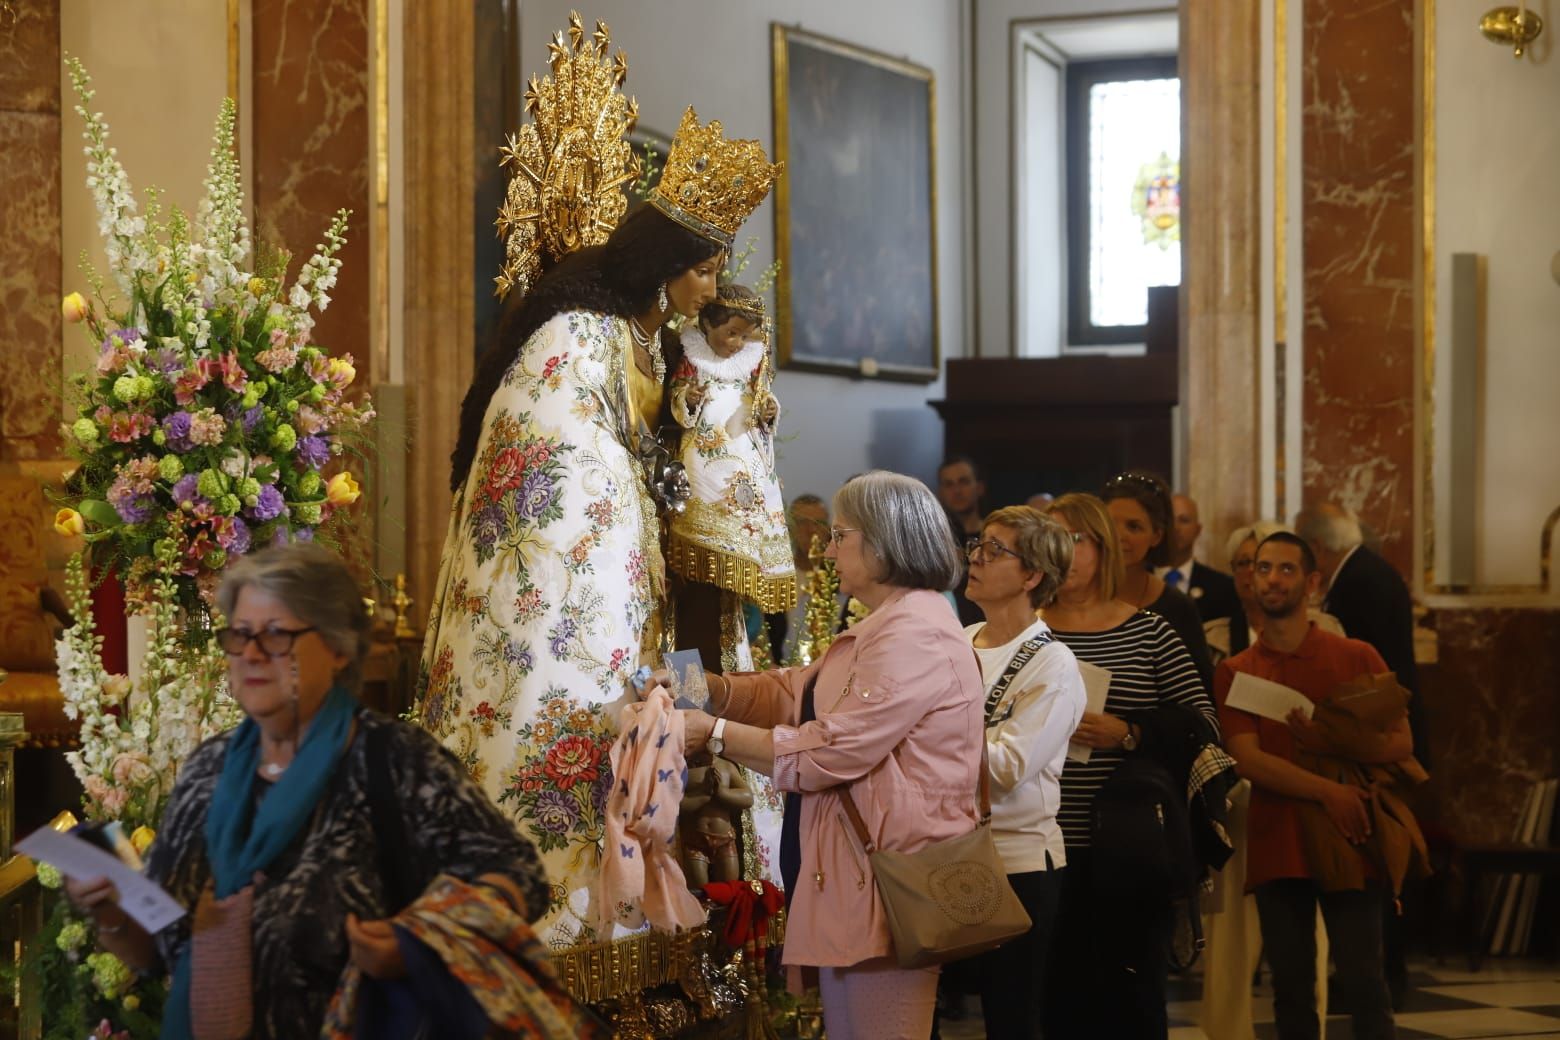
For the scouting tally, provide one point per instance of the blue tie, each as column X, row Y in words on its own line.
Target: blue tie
column 1173, row 579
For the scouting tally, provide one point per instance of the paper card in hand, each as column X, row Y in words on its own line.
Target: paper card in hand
column 689, row 690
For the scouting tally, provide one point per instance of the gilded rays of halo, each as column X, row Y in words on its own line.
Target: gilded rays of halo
column 568, row 165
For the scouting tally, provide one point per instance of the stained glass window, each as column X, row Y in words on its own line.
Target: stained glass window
column 1124, row 195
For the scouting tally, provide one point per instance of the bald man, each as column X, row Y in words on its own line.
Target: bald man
column 1212, row 590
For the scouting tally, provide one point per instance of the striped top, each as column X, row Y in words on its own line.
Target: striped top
column 1149, row 667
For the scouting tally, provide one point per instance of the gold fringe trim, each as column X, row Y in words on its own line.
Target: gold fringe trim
column 620, row 967
column 774, row 594
column 623, row 967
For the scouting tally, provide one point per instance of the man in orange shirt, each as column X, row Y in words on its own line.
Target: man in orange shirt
column 1294, row 652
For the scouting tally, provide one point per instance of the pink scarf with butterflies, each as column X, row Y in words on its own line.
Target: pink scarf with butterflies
column 639, row 864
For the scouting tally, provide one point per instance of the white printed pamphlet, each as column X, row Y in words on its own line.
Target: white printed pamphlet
column 1096, row 684
column 1267, row 698
column 147, row 904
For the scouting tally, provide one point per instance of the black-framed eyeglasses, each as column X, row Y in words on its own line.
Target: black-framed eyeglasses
column 274, row 642
column 987, row 549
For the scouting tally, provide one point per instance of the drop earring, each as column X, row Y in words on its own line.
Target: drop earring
column 660, row 299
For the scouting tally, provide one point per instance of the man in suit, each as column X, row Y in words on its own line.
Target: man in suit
column 1212, row 590
column 1372, row 602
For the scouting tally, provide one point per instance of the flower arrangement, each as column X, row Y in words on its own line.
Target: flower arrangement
column 205, row 426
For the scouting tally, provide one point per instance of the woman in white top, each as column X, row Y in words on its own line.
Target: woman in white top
column 1017, row 563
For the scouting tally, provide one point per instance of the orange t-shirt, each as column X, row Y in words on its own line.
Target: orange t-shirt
column 1318, row 666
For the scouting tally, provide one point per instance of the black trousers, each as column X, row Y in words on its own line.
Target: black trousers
column 1287, row 910
column 1106, row 975
column 1011, row 978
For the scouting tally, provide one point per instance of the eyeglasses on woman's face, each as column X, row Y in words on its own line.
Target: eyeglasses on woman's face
column 837, row 534
column 274, row 642
column 985, row 550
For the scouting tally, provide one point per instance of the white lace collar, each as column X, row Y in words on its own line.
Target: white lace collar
column 738, row 366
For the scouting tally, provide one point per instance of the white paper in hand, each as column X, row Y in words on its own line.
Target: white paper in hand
column 1096, row 684
column 1267, row 698
column 147, row 904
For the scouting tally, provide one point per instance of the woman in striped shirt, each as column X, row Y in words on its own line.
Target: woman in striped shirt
column 1108, row 981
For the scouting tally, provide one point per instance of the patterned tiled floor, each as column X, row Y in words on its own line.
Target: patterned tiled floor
column 1505, row 999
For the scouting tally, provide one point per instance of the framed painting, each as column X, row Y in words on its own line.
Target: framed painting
column 855, row 210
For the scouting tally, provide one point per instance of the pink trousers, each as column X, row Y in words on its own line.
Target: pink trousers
column 878, row 1000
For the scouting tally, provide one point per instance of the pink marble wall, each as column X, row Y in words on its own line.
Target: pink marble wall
column 311, row 134
column 311, row 116
column 1358, row 247
column 30, row 351
column 1492, row 706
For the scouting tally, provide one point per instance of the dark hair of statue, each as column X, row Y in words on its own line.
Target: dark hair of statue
column 715, row 313
column 619, row 277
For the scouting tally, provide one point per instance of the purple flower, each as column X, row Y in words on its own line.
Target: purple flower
column 126, row 336
column 559, row 637
column 303, row 534
column 252, row 417
column 134, row 509
column 490, row 525
column 268, row 505
column 313, row 452
column 238, row 539
column 518, row 654
column 176, row 428
column 536, row 494
column 281, row 536
column 600, row 788
column 184, row 489
column 555, row 812
column 165, row 360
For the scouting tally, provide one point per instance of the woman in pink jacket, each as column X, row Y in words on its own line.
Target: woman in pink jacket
column 893, row 711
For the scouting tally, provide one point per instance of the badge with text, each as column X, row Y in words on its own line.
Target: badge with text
column 689, row 690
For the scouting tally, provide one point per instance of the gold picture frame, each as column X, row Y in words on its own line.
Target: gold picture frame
column 855, row 210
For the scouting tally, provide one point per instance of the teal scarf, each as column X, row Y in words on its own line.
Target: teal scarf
column 241, row 839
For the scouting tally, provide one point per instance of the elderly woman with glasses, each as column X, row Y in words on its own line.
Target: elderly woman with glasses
column 1034, row 698
column 890, row 713
column 1107, row 975
column 294, row 837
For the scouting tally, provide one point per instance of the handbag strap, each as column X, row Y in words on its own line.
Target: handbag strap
column 1021, row 657
column 869, row 846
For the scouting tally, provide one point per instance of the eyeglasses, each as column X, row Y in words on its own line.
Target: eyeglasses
column 837, row 534
column 274, row 642
column 987, row 550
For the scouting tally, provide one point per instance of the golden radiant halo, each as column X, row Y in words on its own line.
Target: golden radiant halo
column 569, row 163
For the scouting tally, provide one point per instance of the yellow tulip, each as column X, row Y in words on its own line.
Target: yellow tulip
column 69, row 523
column 342, row 490
column 142, row 839
column 75, row 308
column 340, row 371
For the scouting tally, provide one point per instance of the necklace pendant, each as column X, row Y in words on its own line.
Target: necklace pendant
column 273, row 769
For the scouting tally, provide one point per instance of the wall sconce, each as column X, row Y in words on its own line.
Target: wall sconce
column 1514, row 26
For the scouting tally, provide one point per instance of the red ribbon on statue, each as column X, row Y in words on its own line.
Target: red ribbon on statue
column 750, row 905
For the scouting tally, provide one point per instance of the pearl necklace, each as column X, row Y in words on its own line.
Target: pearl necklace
column 652, row 347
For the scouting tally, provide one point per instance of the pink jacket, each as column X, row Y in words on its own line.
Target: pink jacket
column 898, row 704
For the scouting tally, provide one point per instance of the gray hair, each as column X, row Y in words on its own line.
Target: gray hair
column 313, row 583
column 902, row 523
column 1257, row 531
column 1330, row 526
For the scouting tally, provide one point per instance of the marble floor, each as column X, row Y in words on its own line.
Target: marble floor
column 1507, row 998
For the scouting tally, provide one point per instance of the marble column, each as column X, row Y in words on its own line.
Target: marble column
column 1220, row 298
column 30, row 335
column 1358, row 246
column 438, row 305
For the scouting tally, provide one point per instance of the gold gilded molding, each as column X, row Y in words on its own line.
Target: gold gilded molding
column 1425, row 24
column 379, row 232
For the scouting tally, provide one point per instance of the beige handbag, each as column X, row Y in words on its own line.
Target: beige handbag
column 950, row 900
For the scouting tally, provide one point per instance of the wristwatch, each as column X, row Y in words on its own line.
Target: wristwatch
column 717, row 738
column 1128, row 742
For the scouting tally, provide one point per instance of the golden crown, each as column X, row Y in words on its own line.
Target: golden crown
column 709, row 184
column 570, row 162
column 753, row 307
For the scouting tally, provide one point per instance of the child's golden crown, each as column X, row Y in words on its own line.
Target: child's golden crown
column 710, row 185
